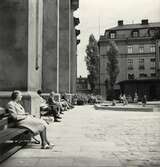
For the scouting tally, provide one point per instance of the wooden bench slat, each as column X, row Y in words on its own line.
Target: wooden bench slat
column 2, row 111
column 3, row 123
column 10, row 152
column 10, row 133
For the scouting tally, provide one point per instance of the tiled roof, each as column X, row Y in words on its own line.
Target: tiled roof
column 135, row 26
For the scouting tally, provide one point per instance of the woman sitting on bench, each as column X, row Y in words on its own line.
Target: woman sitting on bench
column 35, row 125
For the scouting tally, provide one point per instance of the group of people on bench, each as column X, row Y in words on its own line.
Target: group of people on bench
column 36, row 125
column 53, row 107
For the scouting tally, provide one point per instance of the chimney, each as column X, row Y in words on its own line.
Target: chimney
column 120, row 22
column 144, row 22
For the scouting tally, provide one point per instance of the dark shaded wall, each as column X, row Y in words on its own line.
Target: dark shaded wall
column 13, row 44
column 49, row 65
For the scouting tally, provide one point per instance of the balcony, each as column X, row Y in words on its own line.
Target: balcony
column 77, row 32
column 74, row 4
column 78, row 41
column 76, row 21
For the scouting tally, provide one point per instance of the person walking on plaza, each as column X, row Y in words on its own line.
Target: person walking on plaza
column 144, row 100
column 125, row 101
column 23, row 119
column 121, row 98
column 135, row 97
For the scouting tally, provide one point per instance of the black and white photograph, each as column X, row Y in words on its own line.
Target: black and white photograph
column 79, row 83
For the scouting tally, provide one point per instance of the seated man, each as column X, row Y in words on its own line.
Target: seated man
column 45, row 107
column 35, row 125
column 66, row 102
column 55, row 104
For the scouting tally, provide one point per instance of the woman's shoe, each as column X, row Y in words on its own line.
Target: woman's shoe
column 59, row 117
column 56, row 120
column 46, row 146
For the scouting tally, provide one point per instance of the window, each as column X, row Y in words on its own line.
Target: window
column 130, row 49
column 141, row 49
column 141, row 61
column 135, row 34
column 153, row 48
column 130, row 61
column 130, row 76
column 152, row 68
column 153, row 74
column 153, row 60
column 112, row 35
column 141, row 64
column 130, row 64
column 142, row 75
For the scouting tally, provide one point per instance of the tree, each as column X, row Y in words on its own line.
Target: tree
column 156, row 35
column 112, row 69
column 92, row 61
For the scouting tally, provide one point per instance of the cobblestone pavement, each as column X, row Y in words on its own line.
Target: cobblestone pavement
column 96, row 138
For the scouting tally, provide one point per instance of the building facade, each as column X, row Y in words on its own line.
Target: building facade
column 83, row 85
column 60, row 46
column 38, row 48
column 139, row 58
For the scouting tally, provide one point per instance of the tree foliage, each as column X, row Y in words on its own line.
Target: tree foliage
column 156, row 35
column 112, row 68
column 92, row 61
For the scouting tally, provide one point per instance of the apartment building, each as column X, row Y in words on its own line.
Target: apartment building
column 139, row 58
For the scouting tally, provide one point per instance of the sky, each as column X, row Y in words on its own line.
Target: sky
column 98, row 15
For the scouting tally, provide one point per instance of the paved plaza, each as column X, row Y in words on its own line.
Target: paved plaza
column 97, row 138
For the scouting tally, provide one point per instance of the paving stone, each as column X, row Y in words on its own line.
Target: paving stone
column 20, row 162
column 91, row 138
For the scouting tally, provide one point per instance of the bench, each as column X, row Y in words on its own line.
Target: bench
column 11, row 138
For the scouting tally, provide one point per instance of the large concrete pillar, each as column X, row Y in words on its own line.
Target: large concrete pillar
column 65, row 46
column 21, row 50
column 49, row 73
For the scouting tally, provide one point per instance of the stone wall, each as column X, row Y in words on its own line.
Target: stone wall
column 13, row 44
